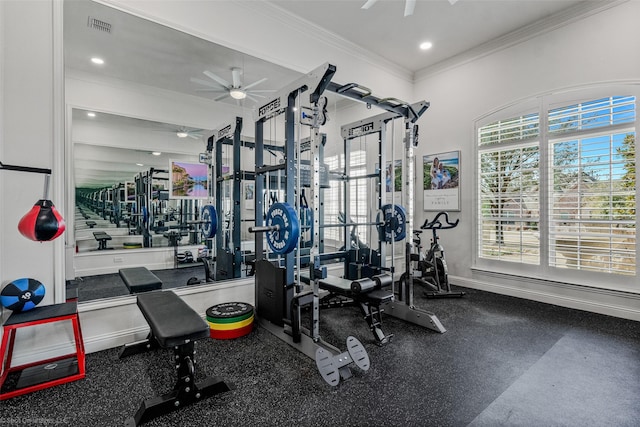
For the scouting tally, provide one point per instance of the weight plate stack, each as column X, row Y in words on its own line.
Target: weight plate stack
column 230, row 320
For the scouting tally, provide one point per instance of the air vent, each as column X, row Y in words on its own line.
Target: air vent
column 99, row 25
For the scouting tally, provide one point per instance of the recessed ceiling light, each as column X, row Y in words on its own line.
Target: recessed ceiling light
column 156, row 153
column 97, row 61
column 139, row 164
column 426, row 45
column 91, row 114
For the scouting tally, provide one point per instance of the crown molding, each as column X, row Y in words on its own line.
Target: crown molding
column 558, row 20
column 322, row 35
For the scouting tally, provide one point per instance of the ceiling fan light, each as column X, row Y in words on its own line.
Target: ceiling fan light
column 182, row 134
column 156, row 153
column 237, row 93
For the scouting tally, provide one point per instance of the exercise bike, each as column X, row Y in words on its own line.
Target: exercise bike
column 431, row 271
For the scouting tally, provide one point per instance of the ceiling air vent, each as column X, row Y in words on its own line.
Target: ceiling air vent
column 99, row 25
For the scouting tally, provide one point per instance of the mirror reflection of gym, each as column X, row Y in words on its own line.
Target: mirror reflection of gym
column 106, row 151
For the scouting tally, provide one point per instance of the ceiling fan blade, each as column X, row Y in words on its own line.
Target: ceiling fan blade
column 236, row 74
column 219, row 90
column 205, row 82
column 226, row 95
column 254, row 99
column 194, row 135
column 262, row 90
column 252, row 92
column 218, row 79
column 368, row 4
column 255, row 83
column 409, row 6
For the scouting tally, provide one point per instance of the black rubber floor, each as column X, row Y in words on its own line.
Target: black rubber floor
column 503, row 361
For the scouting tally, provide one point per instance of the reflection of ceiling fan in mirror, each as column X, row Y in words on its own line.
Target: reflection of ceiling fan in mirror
column 235, row 89
column 184, row 132
column 409, row 5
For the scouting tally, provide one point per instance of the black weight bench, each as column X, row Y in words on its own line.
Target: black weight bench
column 91, row 224
column 173, row 324
column 102, row 238
column 367, row 294
column 139, row 279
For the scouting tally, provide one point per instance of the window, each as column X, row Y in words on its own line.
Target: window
column 592, row 188
column 331, row 198
column 334, row 196
column 557, row 189
column 509, row 190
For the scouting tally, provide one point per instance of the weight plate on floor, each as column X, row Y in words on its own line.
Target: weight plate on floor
column 234, row 333
column 230, row 319
column 231, row 326
column 229, row 310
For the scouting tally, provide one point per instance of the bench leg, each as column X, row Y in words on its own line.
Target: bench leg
column 185, row 392
column 373, row 316
column 139, row 346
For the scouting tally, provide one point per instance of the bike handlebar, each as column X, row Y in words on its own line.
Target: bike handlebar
column 437, row 224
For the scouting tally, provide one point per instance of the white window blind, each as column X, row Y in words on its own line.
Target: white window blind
column 588, row 204
column 592, row 190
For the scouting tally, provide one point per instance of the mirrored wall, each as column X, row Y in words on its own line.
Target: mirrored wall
column 142, row 99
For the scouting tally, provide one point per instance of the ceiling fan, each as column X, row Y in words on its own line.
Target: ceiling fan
column 409, row 5
column 235, row 89
column 183, row 132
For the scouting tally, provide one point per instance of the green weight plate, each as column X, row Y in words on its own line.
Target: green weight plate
column 229, row 319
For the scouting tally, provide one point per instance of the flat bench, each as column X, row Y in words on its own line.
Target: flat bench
column 173, row 324
column 367, row 294
column 139, row 279
column 102, row 238
column 91, row 224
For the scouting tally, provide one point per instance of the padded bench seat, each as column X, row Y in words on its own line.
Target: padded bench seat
column 139, row 279
column 171, row 320
column 102, row 238
column 343, row 287
column 91, row 224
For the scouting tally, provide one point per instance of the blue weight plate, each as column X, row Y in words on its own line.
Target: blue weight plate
column 285, row 239
column 210, row 226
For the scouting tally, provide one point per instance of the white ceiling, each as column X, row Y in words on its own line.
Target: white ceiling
column 143, row 52
column 453, row 29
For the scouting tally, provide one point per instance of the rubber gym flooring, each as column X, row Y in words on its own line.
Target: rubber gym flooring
column 503, row 361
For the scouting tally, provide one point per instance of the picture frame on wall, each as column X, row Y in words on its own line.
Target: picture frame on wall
column 248, row 195
column 441, row 181
column 188, row 180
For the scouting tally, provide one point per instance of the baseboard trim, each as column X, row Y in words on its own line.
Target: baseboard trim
column 620, row 304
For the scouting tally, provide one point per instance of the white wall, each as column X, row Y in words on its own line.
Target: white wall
column 27, row 136
column 598, row 49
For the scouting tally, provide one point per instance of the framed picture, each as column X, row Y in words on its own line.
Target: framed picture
column 441, row 181
column 131, row 191
column 394, row 184
column 248, row 194
column 188, row 180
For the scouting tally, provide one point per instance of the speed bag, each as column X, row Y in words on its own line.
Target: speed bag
column 42, row 223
